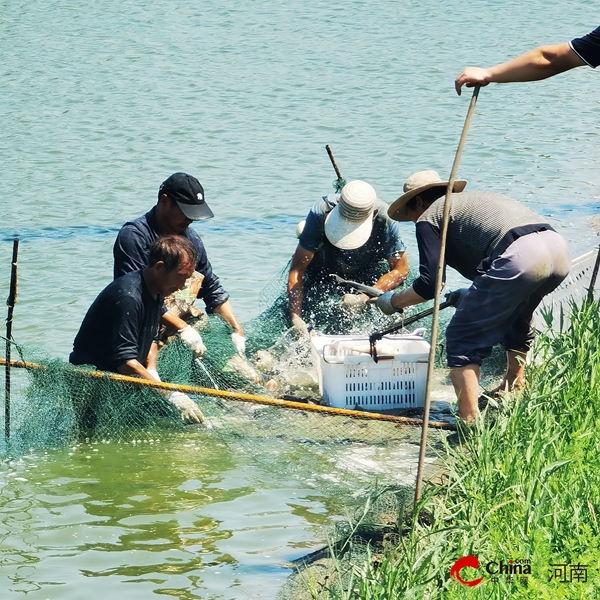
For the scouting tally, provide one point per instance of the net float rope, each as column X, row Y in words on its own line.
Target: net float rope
column 200, row 391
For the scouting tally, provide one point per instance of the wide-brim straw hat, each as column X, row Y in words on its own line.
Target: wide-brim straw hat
column 349, row 224
column 416, row 184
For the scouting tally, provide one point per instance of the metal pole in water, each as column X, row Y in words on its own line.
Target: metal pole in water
column 12, row 298
column 438, row 289
column 590, row 296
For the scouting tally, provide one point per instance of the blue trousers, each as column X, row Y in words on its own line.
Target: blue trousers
column 499, row 306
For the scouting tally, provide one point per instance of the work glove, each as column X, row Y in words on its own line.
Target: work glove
column 384, row 304
column 239, row 341
column 300, row 327
column 154, row 374
column 193, row 340
column 456, row 297
column 190, row 413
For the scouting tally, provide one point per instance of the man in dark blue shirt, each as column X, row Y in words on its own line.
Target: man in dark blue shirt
column 351, row 237
column 180, row 202
column 120, row 329
column 539, row 63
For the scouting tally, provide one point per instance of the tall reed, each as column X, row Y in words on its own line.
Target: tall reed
column 523, row 485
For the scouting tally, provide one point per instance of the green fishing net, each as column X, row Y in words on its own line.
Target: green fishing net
column 53, row 403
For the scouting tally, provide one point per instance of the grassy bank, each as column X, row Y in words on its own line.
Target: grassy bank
column 523, row 487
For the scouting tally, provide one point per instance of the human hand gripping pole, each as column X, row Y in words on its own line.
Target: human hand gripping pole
column 456, row 297
column 384, row 303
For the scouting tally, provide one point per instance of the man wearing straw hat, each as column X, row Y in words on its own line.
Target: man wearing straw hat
column 512, row 256
column 120, row 329
column 349, row 237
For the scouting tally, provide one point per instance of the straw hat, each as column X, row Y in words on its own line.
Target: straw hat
column 414, row 185
column 349, row 224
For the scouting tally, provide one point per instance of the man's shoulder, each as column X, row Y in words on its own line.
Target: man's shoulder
column 128, row 285
column 478, row 199
column 142, row 226
column 382, row 213
column 321, row 208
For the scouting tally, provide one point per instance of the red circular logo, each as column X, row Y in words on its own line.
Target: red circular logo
column 461, row 563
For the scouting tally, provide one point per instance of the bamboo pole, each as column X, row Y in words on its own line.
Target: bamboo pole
column 200, row 391
column 12, row 298
column 332, row 159
column 438, row 289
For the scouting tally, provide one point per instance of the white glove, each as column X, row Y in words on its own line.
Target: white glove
column 154, row 374
column 354, row 300
column 190, row 413
column 299, row 326
column 239, row 341
column 192, row 338
column 384, row 304
column 456, row 297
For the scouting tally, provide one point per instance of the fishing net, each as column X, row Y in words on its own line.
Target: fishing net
column 372, row 528
column 54, row 403
column 339, row 455
column 338, row 185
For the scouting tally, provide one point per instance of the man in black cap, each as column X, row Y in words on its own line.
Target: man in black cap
column 180, row 201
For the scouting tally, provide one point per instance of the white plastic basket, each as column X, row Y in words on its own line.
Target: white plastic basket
column 350, row 378
column 574, row 288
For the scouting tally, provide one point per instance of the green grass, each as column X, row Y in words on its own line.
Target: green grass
column 523, row 486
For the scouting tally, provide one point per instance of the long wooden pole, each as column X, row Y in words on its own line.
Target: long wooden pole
column 438, row 289
column 12, row 298
column 332, row 159
column 200, row 391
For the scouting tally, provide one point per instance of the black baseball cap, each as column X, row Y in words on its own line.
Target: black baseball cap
column 188, row 192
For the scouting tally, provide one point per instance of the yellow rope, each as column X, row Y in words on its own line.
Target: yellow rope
column 195, row 390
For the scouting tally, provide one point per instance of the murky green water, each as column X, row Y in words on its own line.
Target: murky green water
column 101, row 102
column 111, row 519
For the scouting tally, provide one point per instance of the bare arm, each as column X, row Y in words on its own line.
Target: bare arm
column 396, row 276
column 295, row 288
column 170, row 320
column 225, row 310
column 534, row 65
column 134, row 367
column 152, row 357
column 407, row 298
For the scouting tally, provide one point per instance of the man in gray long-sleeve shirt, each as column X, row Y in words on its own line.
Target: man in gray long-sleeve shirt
column 512, row 256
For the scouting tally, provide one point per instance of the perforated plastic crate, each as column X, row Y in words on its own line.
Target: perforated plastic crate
column 350, row 378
